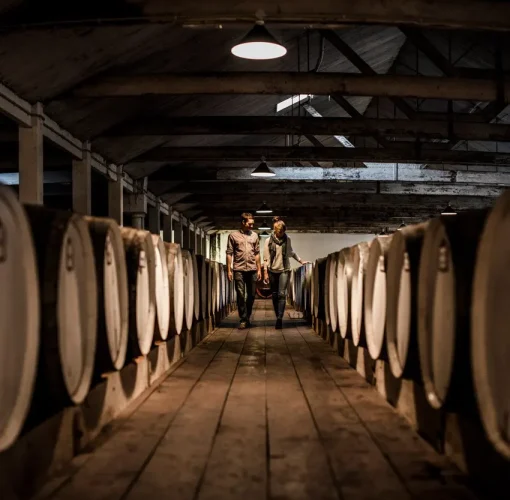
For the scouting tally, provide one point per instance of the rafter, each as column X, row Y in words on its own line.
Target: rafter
column 281, row 83
column 304, row 125
column 456, row 14
column 402, row 155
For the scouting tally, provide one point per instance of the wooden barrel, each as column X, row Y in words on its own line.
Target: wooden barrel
column 314, row 289
column 176, row 285
column 402, row 299
column 210, row 286
column 444, row 304
column 68, row 294
column 344, row 279
column 308, row 269
column 203, row 270
column 291, row 292
column 197, row 312
column 162, row 325
column 189, row 289
column 222, row 286
column 140, row 262
column 374, row 305
column 331, row 292
column 321, row 278
column 490, row 340
column 112, row 294
column 360, row 254
column 263, row 290
column 19, row 317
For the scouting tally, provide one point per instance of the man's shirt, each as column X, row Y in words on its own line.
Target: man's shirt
column 243, row 247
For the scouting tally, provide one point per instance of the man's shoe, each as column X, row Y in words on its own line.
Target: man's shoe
column 279, row 324
column 248, row 324
column 242, row 325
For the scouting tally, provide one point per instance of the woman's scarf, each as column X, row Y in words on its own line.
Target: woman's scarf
column 273, row 241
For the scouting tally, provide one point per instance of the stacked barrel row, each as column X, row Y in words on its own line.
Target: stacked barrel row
column 300, row 289
column 81, row 296
column 432, row 300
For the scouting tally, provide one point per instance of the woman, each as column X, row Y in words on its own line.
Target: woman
column 277, row 253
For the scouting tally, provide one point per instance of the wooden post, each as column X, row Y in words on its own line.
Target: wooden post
column 116, row 198
column 82, row 182
column 155, row 218
column 178, row 231
column 31, row 160
column 168, row 227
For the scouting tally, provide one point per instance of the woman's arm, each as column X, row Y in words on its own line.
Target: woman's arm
column 293, row 254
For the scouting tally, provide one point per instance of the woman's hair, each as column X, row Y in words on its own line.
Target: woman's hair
column 279, row 225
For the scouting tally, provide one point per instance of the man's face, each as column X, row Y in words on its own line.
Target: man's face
column 248, row 224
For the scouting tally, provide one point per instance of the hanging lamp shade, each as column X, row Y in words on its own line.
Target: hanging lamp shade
column 264, row 209
column 259, row 44
column 263, row 171
column 264, row 226
column 448, row 210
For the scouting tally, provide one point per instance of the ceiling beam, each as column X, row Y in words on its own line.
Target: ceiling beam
column 452, row 14
column 279, row 153
column 284, row 188
column 282, row 83
column 304, row 125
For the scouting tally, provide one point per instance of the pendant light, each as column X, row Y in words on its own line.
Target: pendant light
column 259, row 44
column 264, row 226
column 448, row 210
column 264, row 209
column 263, row 171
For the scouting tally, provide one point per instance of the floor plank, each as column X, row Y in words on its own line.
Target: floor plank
column 299, row 467
column 425, row 473
column 353, row 453
column 264, row 414
column 176, row 468
column 113, row 467
column 237, row 468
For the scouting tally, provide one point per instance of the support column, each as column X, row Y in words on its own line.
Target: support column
column 116, row 198
column 31, row 159
column 136, row 205
column 168, row 227
column 82, row 182
column 178, row 232
column 204, row 244
column 155, row 218
column 186, row 237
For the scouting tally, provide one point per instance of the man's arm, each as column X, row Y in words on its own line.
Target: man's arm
column 257, row 259
column 229, row 252
column 229, row 266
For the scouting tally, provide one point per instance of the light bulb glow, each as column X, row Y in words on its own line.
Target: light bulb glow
column 259, row 50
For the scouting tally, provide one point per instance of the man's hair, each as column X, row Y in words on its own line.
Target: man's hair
column 279, row 225
column 245, row 216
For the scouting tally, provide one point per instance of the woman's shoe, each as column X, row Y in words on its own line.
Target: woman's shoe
column 279, row 324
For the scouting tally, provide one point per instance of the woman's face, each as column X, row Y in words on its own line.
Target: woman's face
column 279, row 233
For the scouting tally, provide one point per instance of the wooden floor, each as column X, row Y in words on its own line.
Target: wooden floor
column 263, row 413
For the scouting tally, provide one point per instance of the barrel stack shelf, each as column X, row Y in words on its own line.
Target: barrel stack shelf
column 423, row 314
column 101, row 312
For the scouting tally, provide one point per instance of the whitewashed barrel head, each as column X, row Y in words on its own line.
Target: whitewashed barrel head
column 196, row 289
column 176, row 280
column 359, row 265
column 140, row 262
column 375, row 296
column 19, row 317
column 344, row 279
column 490, row 338
column 189, row 292
column 332, row 294
column 77, row 309
column 113, row 311
column 399, row 308
column 162, row 289
column 436, row 318
column 146, row 294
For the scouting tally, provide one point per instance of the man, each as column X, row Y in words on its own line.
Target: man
column 243, row 265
